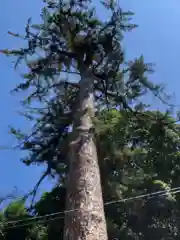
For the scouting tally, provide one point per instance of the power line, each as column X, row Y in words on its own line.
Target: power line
column 153, row 194
column 38, row 222
column 160, row 193
column 172, row 191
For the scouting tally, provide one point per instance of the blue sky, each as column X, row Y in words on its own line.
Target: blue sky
column 157, row 38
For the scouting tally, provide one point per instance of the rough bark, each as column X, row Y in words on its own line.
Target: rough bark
column 86, row 220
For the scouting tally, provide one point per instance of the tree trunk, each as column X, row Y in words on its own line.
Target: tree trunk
column 85, row 219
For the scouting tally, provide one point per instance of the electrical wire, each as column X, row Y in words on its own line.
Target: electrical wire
column 38, row 222
column 153, row 194
column 61, row 217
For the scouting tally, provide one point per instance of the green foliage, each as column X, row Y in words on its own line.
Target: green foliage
column 37, row 232
column 134, row 163
column 70, row 38
column 15, row 210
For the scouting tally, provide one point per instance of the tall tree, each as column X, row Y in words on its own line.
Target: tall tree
column 72, row 39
